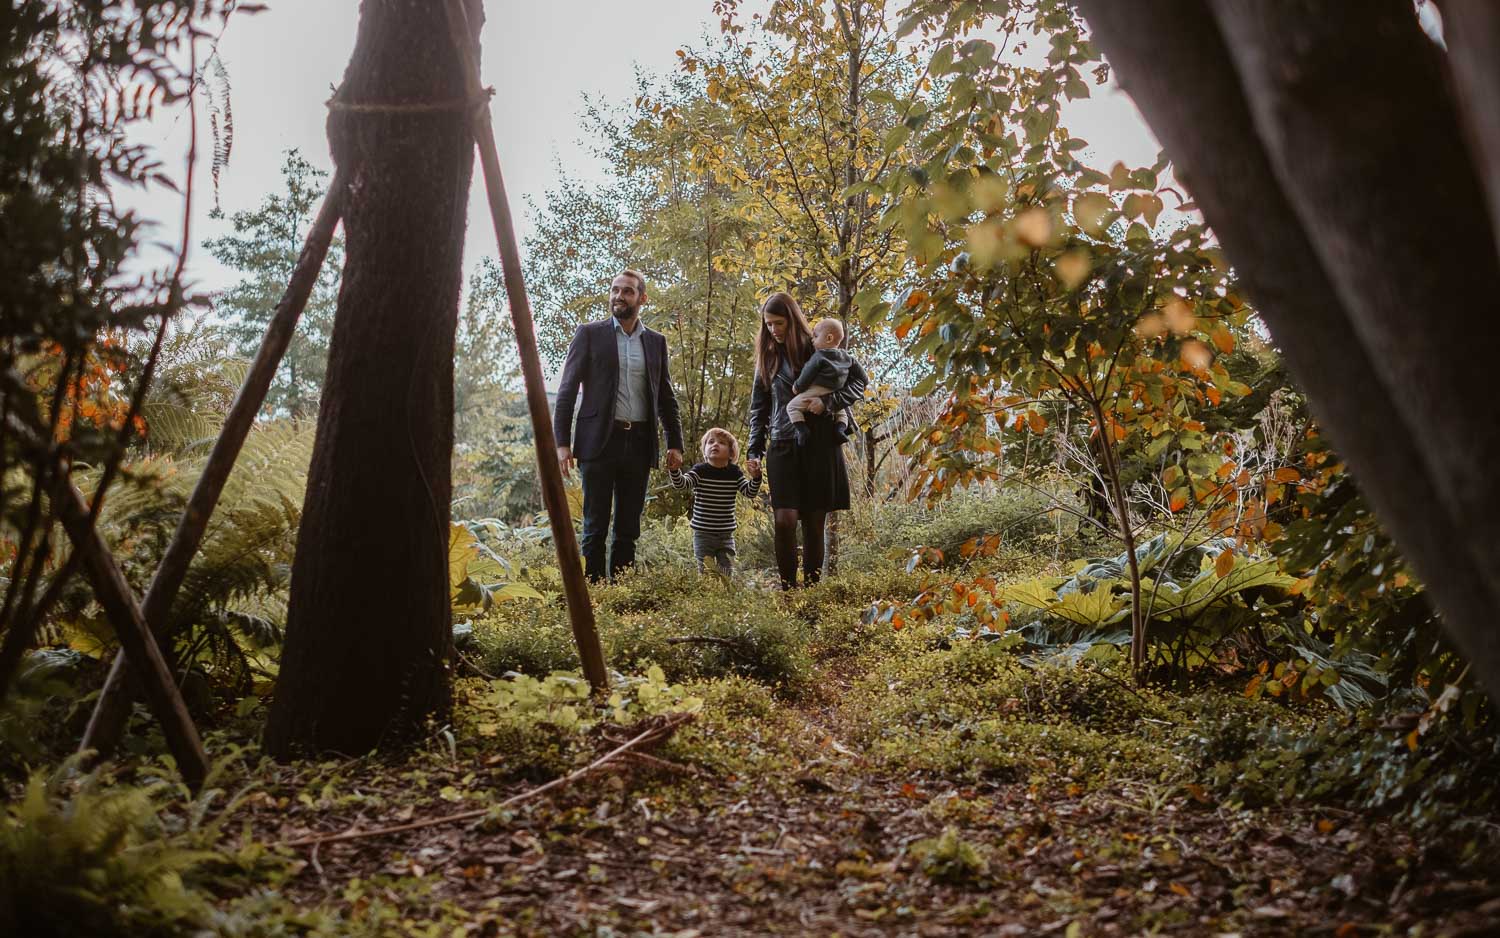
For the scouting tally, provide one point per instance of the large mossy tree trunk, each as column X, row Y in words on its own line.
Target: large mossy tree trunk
column 368, row 628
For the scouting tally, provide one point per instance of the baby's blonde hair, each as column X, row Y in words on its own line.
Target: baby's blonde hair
column 834, row 324
column 723, row 435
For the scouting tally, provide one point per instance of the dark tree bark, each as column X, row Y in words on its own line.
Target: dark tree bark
column 368, row 628
column 1172, row 58
column 1352, row 103
column 1471, row 28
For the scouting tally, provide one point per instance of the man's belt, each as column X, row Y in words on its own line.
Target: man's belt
column 630, row 424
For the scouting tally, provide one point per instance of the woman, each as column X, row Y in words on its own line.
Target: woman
column 807, row 482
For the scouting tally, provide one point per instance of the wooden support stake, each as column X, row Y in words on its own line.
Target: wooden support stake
column 107, row 724
column 554, row 497
column 114, row 594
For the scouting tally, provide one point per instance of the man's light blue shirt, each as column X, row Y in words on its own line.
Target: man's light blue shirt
column 630, row 391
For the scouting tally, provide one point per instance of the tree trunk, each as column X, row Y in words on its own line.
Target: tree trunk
column 368, row 626
column 1472, row 30
column 1111, row 469
column 1351, row 102
column 1170, row 56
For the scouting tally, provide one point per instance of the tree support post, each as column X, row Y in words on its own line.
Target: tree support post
column 575, row 588
column 107, row 723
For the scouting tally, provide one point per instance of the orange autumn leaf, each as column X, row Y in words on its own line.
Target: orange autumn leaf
column 1286, row 474
column 1223, row 339
column 1223, row 564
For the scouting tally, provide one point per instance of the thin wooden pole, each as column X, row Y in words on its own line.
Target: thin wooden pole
column 575, row 588
column 114, row 594
column 107, row 724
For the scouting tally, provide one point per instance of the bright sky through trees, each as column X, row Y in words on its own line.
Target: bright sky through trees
column 541, row 58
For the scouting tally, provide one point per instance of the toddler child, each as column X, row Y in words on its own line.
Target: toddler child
column 714, row 483
column 825, row 372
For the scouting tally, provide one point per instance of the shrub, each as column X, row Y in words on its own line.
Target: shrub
column 1258, row 754
column 951, row 859
column 742, row 730
column 975, row 710
column 693, row 626
column 540, row 725
column 891, row 530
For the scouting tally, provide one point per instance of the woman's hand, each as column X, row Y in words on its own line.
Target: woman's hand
column 753, row 467
column 815, row 406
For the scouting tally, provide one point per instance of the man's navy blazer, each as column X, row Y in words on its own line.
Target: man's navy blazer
column 594, row 363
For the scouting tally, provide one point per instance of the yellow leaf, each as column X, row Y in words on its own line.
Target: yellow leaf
column 1073, row 268
column 1033, row 227
column 1178, row 316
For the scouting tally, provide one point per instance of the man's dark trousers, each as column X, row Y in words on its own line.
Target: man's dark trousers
column 618, row 478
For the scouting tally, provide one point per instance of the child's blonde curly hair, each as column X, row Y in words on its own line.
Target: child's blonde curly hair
column 723, row 436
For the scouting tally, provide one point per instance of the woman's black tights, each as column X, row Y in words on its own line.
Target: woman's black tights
column 812, row 546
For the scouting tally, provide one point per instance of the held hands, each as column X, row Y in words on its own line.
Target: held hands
column 753, row 467
column 565, row 459
column 674, row 459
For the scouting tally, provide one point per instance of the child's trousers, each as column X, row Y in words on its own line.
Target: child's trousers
column 796, row 408
column 717, row 546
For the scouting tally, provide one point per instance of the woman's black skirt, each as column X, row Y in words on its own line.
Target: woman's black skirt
column 809, row 478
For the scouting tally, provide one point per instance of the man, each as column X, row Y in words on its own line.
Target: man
column 622, row 367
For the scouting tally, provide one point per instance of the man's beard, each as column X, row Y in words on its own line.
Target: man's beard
column 623, row 312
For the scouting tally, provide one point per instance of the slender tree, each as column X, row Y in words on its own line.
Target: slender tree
column 264, row 247
column 368, row 627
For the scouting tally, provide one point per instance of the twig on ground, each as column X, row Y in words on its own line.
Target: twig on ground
column 704, row 640
column 472, row 665
column 656, row 733
column 665, row 765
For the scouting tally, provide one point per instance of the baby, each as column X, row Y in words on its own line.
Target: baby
column 825, row 372
column 714, row 484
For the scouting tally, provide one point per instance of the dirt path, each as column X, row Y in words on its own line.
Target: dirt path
column 830, row 845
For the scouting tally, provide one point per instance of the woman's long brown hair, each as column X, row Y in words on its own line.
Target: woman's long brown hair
column 798, row 346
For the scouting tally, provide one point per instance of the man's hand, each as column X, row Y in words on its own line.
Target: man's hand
column 674, row 459
column 753, row 465
column 815, row 406
column 565, row 459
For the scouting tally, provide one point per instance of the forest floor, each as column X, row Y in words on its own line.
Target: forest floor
column 788, row 820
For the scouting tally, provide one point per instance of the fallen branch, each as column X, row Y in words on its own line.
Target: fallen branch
column 704, row 640
column 657, row 733
column 666, row 765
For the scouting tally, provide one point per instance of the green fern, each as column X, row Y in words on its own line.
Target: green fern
column 94, row 862
column 225, row 621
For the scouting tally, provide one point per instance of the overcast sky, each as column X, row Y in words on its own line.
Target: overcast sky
column 541, row 57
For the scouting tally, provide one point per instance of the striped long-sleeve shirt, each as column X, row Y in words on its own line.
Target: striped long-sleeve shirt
column 714, row 490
